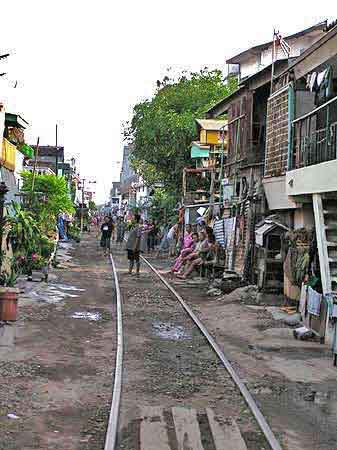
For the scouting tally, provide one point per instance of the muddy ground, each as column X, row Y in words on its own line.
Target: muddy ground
column 294, row 382
column 56, row 363
column 168, row 363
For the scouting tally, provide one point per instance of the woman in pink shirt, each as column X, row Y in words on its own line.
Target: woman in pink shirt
column 188, row 246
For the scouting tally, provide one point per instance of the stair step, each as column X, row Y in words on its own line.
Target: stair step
column 331, row 226
column 332, row 260
column 330, row 212
column 331, row 244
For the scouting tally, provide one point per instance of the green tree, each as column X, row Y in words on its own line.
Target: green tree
column 50, row 197
column 162, row 128
column 163, row 207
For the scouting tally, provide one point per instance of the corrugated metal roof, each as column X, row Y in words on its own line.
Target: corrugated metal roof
column 211, row 124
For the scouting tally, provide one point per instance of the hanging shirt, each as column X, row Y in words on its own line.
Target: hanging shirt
column 314, row 302
column 303, row 301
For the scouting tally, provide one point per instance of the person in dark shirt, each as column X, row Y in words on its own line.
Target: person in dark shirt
column 106, row 231
column 133, row 246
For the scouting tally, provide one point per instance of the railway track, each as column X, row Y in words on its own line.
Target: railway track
column 157, row 424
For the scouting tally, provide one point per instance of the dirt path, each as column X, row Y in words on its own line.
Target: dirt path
column 56, row 373
column 169, row 365
column 56, row 363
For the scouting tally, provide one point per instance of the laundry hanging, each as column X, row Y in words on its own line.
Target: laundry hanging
column 314, row 302
column 219, row 232
column 303, row 301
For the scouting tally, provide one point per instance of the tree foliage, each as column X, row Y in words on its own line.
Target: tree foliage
column 162, row 207
column 51, row 197
column 162, row 128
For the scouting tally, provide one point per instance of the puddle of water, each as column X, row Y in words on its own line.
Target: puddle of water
column 66, row 287
column 51, row 295
column 170, row 331
column 91, row 316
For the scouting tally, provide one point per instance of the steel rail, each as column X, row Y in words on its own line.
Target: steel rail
column 263, row 424
column 111, row 434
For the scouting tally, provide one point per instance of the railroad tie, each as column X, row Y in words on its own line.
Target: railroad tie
column 226, row 436
column 153, row 434
column 187, row 429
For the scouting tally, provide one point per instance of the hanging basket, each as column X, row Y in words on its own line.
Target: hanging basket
column 8, row 303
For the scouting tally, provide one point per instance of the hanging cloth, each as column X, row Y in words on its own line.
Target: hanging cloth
column 314, row 302
column 219, row 232
column 303, row 301
column 312, row 81
column 329, row 301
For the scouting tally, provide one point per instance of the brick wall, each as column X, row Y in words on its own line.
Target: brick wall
column 277, row 135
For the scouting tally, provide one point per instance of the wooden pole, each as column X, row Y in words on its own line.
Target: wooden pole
column 35, row 162
column 222, row 160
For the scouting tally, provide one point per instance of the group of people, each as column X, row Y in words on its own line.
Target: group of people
column 198, row 248
column 193, row 247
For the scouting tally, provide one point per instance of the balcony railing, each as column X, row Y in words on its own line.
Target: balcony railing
column 312, row 143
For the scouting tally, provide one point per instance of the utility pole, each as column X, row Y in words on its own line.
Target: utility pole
column 57, row 153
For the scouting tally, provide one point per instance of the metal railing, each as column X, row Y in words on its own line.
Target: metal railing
column 312, row 143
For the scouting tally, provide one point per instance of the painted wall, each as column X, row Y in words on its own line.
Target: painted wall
column 209, row 137
column 317, row 179
column 275, row 190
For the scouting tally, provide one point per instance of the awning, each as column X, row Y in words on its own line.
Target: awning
column 15, row 120
column 27, row 150
column 199, row 151
column 212, row 124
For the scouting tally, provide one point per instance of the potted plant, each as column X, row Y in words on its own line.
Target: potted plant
column 36, row 267
column 8, row 293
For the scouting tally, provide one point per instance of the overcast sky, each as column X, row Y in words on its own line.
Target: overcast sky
column 84, row 64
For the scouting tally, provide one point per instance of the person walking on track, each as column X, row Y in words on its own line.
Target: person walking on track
column 106, row 231
column 133, row 246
